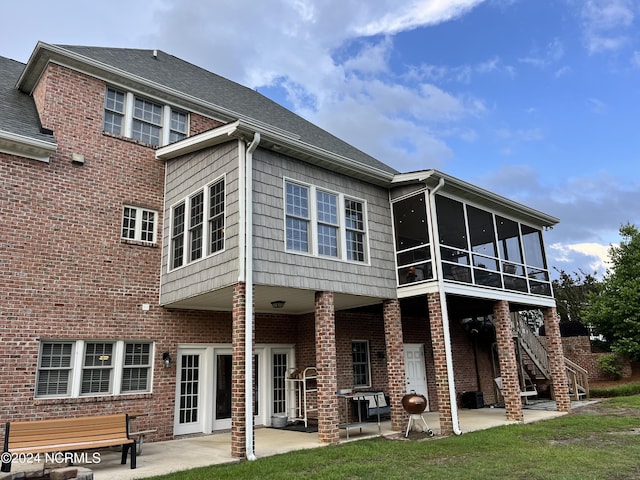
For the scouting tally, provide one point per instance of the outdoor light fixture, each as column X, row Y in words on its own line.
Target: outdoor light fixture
column 278, row 303
column 166, row 358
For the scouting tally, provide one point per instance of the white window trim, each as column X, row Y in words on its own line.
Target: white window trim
column 129, row 104
column 77, row 367
column 205, row 225
column 313, row 223
column 138, row 230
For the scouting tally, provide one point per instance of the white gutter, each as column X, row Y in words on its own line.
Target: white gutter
column 248, row 336
column 444, row 310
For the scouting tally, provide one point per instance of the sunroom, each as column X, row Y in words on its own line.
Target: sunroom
column 464, row 256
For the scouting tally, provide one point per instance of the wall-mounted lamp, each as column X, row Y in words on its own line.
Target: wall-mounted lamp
column 166, row 358
column 278, row 303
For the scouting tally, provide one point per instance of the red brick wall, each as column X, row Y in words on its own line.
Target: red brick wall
column 65, row 273
column 578, row 350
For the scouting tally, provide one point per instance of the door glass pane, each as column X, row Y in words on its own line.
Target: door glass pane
column 223, row 386
column 256, row 381
column 279, row 370
column 189, row 388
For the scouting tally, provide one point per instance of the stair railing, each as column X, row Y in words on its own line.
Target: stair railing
column 578, row 380
column 534, row 348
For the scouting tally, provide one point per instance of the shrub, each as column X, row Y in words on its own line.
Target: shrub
column 624, row 390
column 611, row 365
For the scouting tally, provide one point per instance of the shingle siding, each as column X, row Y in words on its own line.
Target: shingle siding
column 274, row 266
column 184, row 177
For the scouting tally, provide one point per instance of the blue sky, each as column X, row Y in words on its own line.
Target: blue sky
column 537, row 100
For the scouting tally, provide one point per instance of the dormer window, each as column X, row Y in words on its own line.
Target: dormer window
column 149, row 122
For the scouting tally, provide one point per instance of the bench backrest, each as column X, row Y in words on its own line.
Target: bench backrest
column 62, row 431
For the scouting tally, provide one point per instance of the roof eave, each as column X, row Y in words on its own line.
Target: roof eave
column 459, row 187
column 27, row 147
column 280, row 142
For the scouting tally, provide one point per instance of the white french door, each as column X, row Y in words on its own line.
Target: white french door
column 190, row 391
column 204, row 389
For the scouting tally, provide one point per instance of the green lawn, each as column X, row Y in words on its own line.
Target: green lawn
column 593, row 443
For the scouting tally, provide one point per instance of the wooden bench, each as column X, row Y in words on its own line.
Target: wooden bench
column 68, row 435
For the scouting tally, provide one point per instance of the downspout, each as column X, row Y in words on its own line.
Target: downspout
column 445, row 311
column 242, row 201
column 248, row 275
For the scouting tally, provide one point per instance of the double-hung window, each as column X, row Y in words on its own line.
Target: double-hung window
column 327, row 223
column 354, row 217
column 323, row 223
column 97, row 370
column 55, row 369
column 178, row 129
column 298, row 219
column 147, row 121
column 138, row 224
column 136, row 367
column 198, row 225
column 114, row 111
column 139, row 118
column 75, row 368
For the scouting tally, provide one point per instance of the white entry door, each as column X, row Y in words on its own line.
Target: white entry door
column 415, row 369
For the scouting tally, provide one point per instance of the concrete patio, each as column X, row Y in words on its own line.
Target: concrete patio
column 161, row 458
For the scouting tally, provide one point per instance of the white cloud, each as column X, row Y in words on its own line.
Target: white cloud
column 553, row 53
column 316, row 56
column 405, row 16
column 568, row 255
column 606, row 23
column 597, row 106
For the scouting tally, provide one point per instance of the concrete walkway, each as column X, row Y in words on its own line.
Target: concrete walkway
column 161, row 458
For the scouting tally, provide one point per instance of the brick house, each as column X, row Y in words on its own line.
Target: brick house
column 177, row 244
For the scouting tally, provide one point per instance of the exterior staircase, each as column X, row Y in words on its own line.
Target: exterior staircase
column 534, row 364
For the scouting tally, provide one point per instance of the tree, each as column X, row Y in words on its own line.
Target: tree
column 614, row 308
column 572, row 294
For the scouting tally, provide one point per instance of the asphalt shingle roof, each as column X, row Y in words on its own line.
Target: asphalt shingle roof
column 18, row 113
column 174, row 73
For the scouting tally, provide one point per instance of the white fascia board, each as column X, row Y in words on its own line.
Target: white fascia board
column 497, row 294
column 197, row 142
column 432, row 177
column 27, row 147
column 286, row 141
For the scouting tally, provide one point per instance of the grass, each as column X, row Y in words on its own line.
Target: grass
column 592, row 444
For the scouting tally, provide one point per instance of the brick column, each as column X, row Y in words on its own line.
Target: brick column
column 440, row 363
column 395, row 361
column 508, row 361
column 559, row 384
column 325, row 323
column 238, row 373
